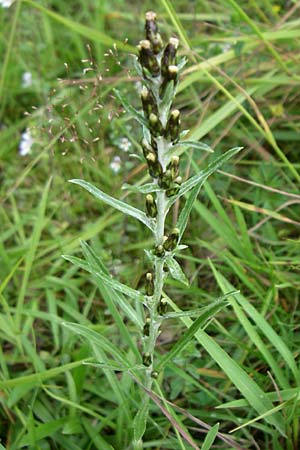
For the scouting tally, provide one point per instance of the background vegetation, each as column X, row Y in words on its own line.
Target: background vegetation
column 240, row 88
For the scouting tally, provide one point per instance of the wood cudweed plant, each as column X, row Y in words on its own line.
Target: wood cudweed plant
column 162, row 144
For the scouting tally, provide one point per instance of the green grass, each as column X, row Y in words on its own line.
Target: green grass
column 236, row 365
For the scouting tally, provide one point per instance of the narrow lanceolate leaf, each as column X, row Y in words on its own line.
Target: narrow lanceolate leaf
column 140, row 422
column 194, row 144
column 277, row 342
column 207, row 314
column 98, row 340
column 200, row 311
column 130, row 109
column 176, row 271
column 107, row 280
column 147, row 188
column 242, row 381
column 195, row 183
column 117, row 204
column 210, row 437
column 111, row 296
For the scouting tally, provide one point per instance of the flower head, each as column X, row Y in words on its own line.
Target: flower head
column 115, row 165
column 124, row 144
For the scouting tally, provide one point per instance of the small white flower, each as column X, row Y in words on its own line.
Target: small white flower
column 115, row 165
column 6, row 3
column 124, row 144
column 226, row 47
column 26, row 79
column 25, row 143
column 138, row 87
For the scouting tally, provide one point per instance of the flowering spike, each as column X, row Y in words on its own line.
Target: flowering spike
column 174, row 189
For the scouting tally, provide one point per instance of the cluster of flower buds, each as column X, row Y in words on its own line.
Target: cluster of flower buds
column 147, row 359
column 159, row 67
column 149, row 284
column 146, row 329
column 162, row 307
column 155, row 60
column 160, row 73
column 171, row 241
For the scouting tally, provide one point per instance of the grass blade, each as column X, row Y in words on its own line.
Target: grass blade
column 246, row 385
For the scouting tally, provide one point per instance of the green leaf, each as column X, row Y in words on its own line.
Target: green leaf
column 175, row 270
column 210, row 437
column 275, row 396
column 199, row 311
column 194, row 144
column 242, row 381
column 88, row 32
column 107, row 280
column 43, row 431
column 201, row 177
column 195, row 183
column 39, row 377
column 205, row 315
column 115, row 367
column 117, row 204
column 140, row 422
column 144, row 189
column 111, row 296
column 130, row 109
column 98, row 340
column 276, row 341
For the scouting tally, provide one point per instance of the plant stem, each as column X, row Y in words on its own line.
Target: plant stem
column 156, row 319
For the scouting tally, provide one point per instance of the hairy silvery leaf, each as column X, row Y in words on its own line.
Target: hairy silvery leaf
column 109, row 294
column 205, row 315
column 117, row 204
column 176, row 271
column 98, row 340
column 130, row 109
column 193, row 144
column 107, row 280
column 144, row 189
